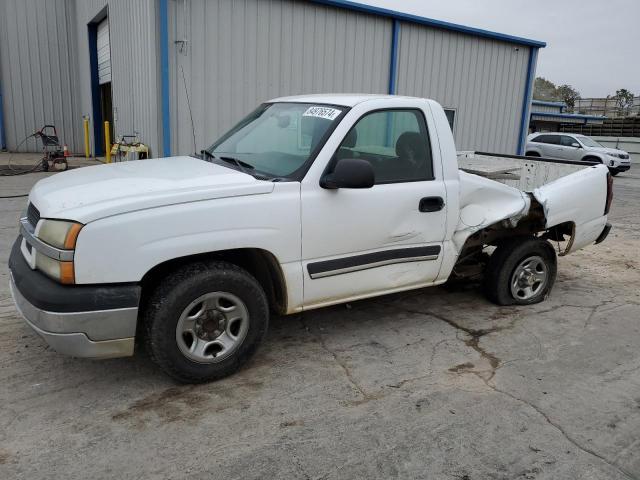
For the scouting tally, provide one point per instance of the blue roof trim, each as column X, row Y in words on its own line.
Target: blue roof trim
column 407, row 17
column 569, row 115
column 548, row 104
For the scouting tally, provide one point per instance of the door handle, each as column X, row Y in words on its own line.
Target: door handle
column 431, row 204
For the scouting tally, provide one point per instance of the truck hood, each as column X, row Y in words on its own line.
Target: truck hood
column 90, row 193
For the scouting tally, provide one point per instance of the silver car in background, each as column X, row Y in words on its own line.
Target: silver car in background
column 571, row 146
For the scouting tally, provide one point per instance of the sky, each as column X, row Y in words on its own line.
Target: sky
column 593, row 45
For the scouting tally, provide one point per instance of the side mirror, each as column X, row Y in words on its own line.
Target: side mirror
column 575, row 145
column 349, row 173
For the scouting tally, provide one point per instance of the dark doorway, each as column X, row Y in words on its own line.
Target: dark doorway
column 100, row 64
column 106, row 107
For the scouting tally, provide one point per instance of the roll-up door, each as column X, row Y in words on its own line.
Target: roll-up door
column 104, row 53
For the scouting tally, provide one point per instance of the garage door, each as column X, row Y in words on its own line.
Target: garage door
column 104, row 52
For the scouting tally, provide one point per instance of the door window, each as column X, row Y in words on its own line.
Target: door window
column 395, row 143
column 566, row 141
column 550, row 139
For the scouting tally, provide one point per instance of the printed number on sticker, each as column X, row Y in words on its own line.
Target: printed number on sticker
column 322, row 112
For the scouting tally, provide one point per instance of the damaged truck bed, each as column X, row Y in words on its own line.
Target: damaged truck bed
column 558, row 196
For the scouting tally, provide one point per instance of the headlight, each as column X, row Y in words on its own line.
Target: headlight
column 62, row 235
column 63, row 272
column 59, row 233
column 614, row 155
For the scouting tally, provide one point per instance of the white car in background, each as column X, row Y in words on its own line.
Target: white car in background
column 569, row 146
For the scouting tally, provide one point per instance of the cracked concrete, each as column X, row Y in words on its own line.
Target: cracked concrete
column 436, row 383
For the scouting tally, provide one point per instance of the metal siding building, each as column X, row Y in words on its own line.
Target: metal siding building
column 223, row 57
column 38, row 72
column 135, row 68
column 237, row 54
column 482, row 80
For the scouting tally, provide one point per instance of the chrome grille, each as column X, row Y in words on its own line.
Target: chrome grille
column 33, row 215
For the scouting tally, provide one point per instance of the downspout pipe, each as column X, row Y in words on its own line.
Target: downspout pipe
column 526, row 101
column 164, row 77
column 393, row 64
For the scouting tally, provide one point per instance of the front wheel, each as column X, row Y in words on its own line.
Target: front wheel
column 521, row 271
column 204, row 321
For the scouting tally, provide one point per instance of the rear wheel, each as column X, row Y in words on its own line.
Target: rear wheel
column 204, row 321
column 520, row 271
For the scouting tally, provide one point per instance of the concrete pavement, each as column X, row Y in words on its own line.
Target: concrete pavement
column 435, row 383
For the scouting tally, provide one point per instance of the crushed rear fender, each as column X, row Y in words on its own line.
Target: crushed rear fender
column 484, row 202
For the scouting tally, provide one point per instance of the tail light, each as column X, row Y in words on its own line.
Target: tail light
column 607, row 204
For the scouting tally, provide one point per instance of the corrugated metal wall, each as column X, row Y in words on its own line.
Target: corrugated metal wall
column 236, row 54
column 482, row 79
column 39, row 70
column 135, row 67
column 544, row 108
column 233, row 54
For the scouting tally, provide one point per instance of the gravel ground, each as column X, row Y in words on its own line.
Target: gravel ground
column 435, row 383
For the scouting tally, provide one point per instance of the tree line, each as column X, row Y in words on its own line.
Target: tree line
column 546, row 90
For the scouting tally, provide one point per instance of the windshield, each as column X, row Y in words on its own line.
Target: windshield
column 278, row 138
column 588, row 142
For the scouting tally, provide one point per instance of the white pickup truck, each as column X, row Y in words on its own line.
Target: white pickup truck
column 309, row 201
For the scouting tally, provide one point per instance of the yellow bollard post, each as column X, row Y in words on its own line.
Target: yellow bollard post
column 87, row 147
column 107, row 142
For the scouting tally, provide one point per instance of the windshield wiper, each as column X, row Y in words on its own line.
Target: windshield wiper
column 242, row 166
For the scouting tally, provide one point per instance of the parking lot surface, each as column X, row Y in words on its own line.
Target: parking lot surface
column 435, row 383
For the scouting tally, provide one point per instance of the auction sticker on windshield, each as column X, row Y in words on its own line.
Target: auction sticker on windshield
column 322, row 112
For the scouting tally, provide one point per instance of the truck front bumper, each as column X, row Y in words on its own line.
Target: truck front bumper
column 92, row 321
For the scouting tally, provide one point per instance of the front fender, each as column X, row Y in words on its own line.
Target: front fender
column 122, row 248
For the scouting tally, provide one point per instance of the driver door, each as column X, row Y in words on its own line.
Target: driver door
column 362, row 242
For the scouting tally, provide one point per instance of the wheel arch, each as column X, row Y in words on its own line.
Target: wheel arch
column 260, row 263
column 592, row 157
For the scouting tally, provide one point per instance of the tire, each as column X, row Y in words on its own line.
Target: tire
column 197, row 303
column 525, row 258
column 532, row 154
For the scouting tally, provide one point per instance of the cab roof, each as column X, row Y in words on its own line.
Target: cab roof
column 341, row 99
